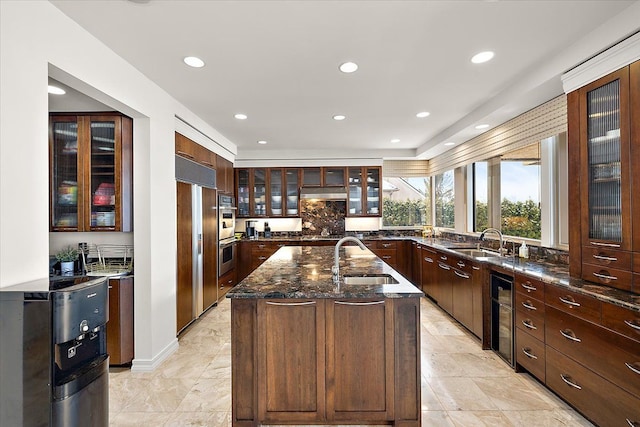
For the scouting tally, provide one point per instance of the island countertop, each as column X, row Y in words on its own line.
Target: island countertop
column 305, row 272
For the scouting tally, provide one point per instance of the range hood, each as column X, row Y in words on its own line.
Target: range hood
column 324, row 193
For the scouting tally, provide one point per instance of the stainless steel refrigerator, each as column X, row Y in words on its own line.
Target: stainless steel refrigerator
column 197, row 241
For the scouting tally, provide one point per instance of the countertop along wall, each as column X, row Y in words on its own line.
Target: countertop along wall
column 37, row 41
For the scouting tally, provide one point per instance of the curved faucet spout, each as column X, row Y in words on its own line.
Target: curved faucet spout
column 335, row 269
column 499, row 233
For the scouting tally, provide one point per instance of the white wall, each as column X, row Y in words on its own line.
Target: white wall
column 37, row 40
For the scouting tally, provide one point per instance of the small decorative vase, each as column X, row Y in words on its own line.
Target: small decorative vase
column 66, row 268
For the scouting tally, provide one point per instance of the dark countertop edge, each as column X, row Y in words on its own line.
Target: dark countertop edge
column 537, row 270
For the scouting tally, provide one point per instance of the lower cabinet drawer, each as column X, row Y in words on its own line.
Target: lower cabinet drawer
column 574, row 303
column 622, row 320
column 531, row 322
column 607, row 353
column 598, row 399
column 530, row 354
column 620, row 279
column 387, row 255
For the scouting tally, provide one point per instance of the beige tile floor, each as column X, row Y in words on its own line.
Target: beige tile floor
column 462, row 385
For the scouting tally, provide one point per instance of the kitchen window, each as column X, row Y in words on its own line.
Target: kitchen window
column 480, row 196
column 406, row 201
column 444, row 199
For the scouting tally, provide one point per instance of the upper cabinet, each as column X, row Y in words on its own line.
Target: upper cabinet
column 603, row 141
column 330, row 176
column 270, row 192
column 91, row 172
column 364, row 191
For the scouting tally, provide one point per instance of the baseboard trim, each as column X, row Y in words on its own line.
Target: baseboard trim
column 149, row 365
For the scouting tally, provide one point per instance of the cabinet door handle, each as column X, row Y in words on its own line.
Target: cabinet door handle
column 360, row 303
column 632, row 423
column 569, row 301
column 605, row 258
column 291, row 303
column 528, row 286
column 464, row 276
column 428, row 259
column 635, row 367
column 567, row 379
column 608, row 245
column 461, row 264
column 605, row 276
column 183, row 154
column 443, row 257
column 262, row 258
column 568, row 334
column 444, row 267
column 386, row 245
column 527, row 352
column 475, row 268
column 386, row 256
column 261, row 246
column 633, row 324
column 527, row 324
column 527, row 304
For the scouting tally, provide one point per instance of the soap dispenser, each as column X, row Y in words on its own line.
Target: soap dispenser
column 523, row 252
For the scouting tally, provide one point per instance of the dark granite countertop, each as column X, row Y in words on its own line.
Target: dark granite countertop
column 305, row 272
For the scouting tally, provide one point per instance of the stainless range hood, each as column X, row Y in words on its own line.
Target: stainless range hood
column 324, row 193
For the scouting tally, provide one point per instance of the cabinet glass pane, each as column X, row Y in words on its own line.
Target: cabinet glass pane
column 259, row 191
column 334, row 177
column 275, row 187
column 355, row 191
column 243, row 192
column 103, row 174
column 603, row 133
column 373, row 191
column 311, row 176
column 65, row 174
column 292, row 191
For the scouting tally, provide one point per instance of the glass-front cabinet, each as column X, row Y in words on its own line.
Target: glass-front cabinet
column 259, row 192
column 242, row 196
column 275, row 188
column 292, row 185
column 605, row 104
column 364, row 191
column 90, row 173
column 271, row 192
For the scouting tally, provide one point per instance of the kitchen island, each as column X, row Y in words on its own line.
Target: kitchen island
column 308, row 351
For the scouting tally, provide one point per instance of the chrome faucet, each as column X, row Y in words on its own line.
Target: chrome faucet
column 499, row 233
column 335, row 269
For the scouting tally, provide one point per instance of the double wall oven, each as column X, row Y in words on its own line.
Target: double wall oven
column 226, row 236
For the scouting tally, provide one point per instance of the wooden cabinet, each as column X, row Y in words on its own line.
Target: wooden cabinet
column 329, row 176
column 530, row 325
column 120, row 325
column 386, row 250
column 604, row 141
column 443, row 288
column 416, row 264
column 295, row 362
column 365, row 193
column 270, row 192
column 226, row 282
column 91, row 172
column 428, row 270
column 224, row 176
column 185, row 147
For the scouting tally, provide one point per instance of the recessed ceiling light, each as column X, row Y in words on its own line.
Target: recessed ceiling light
column 339, row 117
column 482, row 126
column 55, row 90
column 423, row 114
column 395, row 141
column 481, row 57
column 240, row 116
column 348, row 67
column 262, row 142
column 194, row 61
column 449, row 143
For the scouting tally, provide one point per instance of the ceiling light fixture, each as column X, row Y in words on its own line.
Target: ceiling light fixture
column 395, row 141
column 482, row 126
column 262, row 142
column 481, row 57
column 423, row 114
column 55, row 90
column 449, row 143
column 193, row 61
column 240, row 116
column 348, row 67
column 339, row 117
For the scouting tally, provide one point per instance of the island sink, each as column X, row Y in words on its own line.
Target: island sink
column 368, row 279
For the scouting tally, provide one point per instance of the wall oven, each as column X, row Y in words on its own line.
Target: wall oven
column 226, row 230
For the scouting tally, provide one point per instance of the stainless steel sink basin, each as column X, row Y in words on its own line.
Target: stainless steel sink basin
column 477, row 253
column 368, row 279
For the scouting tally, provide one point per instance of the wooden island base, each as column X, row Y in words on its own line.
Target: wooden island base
column 326, row 361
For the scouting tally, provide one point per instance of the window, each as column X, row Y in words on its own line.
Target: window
column 480, row 196
column 444, row 200
column 520, row 192
column 406, row 201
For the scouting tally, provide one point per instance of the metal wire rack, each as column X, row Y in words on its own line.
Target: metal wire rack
column 107, row 259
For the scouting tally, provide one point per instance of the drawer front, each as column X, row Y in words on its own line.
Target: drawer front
column 636, row 265
column 622, row 320
column 619, row 279
column 532, row 287
column 598, row 399
column 529, row 304
column 530, row 354
column 385, row 244
column 612, row 356
column 610, row 258
column 579, row 305
column 387, row 255
column 531, row 322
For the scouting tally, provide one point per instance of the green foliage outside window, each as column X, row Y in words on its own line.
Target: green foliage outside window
column 397, row 213
column 520, row 219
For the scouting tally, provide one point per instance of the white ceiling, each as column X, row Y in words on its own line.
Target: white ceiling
column 277, row 62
